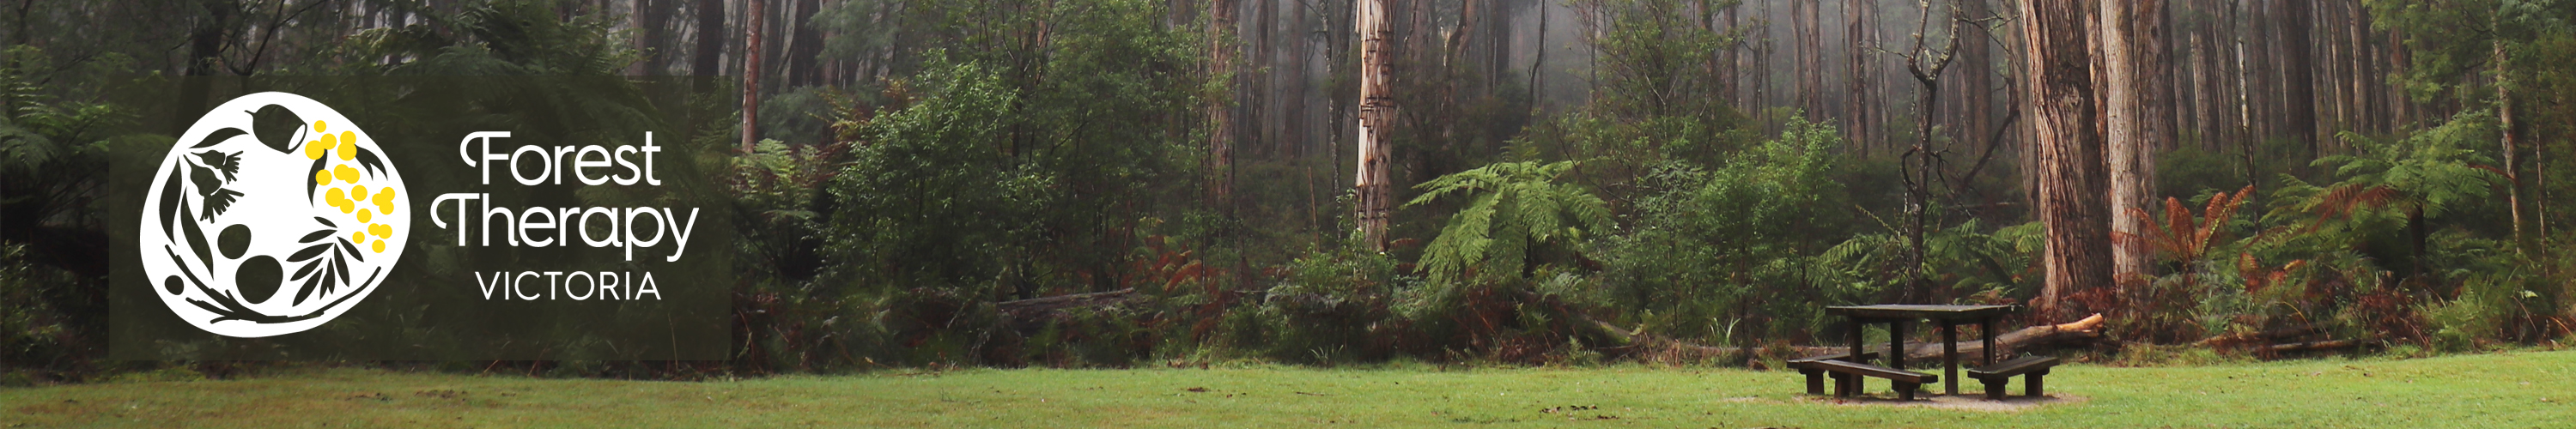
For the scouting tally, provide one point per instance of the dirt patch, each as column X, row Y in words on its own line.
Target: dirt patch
column 1955, row 402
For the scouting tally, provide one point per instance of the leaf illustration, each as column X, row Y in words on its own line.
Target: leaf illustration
column 170, row 200
column 309, row 185
column 229, row 163
column 218, row 137
column 197, row 243
column 339, row 273
column 367, row 159
column 326, row 222
column 316, row 235
column 307, row 270
column 309, row 252
column 311, row 284
column 277, row 127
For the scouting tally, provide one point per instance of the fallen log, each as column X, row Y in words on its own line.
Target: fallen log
column 1052, row 303
column 2084, row 330
column 2258, row 338
column 2312, row 346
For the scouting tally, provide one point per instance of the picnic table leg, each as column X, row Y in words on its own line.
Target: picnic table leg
column 1857, row 325
column 1986, row 328
column 1896, row 344
column 1950, row 357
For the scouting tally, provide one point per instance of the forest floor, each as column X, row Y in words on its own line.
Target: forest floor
column 2496, row 390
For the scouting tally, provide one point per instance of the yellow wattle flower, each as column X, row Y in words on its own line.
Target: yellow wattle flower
column 385, row 201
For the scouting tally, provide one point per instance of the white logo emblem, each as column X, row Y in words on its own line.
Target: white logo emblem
column 272, row 215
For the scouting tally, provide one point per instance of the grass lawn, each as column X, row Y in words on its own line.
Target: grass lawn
column 2501, row 390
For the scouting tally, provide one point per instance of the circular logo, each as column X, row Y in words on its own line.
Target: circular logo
column 272, row 215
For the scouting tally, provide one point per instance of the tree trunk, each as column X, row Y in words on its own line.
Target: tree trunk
column 1811, row 73
column 2512, row 140
column 1975, row 82
column 2132, row 47
column 1220, row 110
column 804, row 46
column 708, row 60
column 2298, row 77
column 751, row 73
column 1858, row 123
column 2072, row 183
column 653, row 18
column 1376, row 113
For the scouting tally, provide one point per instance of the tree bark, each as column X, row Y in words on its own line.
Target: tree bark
column 804, row 45
column 1858, row 122
column 652, row 18
column 1220, row 110
column 1376, row 113
column 2072, row 183
column 708, row 60
column 1811, row 73
column 2135, row 124
column 2512, row 139
column 2298, row 78
column 751, row 73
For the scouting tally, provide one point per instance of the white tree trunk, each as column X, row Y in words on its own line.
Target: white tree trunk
column 1377, row 111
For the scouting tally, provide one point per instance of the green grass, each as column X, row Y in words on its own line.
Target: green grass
column 2501, row 390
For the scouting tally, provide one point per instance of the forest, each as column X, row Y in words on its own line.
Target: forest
column 1151, row 183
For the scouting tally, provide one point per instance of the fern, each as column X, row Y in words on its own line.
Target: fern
column 1515, row 209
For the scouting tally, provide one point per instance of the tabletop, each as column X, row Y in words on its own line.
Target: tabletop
column 1921, row 311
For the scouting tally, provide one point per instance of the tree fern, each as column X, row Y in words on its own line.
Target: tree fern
column 1514, row 209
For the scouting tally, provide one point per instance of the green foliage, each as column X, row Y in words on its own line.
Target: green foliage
column 1519, row 213
column 2432, row 170
column 1706, row 250
column 502, row 37
column 921, row 203
column 53, row 244
column 1331, row 306
column 1009, row 172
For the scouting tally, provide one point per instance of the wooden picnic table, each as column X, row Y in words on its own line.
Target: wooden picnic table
column 1948, row 316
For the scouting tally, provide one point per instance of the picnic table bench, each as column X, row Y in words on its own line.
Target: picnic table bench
column 1996, row 376
column 1847, row 376
column 1849, row 370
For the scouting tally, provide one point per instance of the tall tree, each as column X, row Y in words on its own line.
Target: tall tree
column 708, row 59
column 2504, row 82
column 1859, row 120
column 1926, row 64
column 1220, row 109
column 804, row 44
column 2072, row 181
column 1376, row 114
column 751, row 68
column 2298, row 79
column 1811, row 53
column 2138, row 118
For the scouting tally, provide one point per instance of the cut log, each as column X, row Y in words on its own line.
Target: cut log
column 2312, row 346
column 1052, row 303
column 2079, row 331
column 2258, row 338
